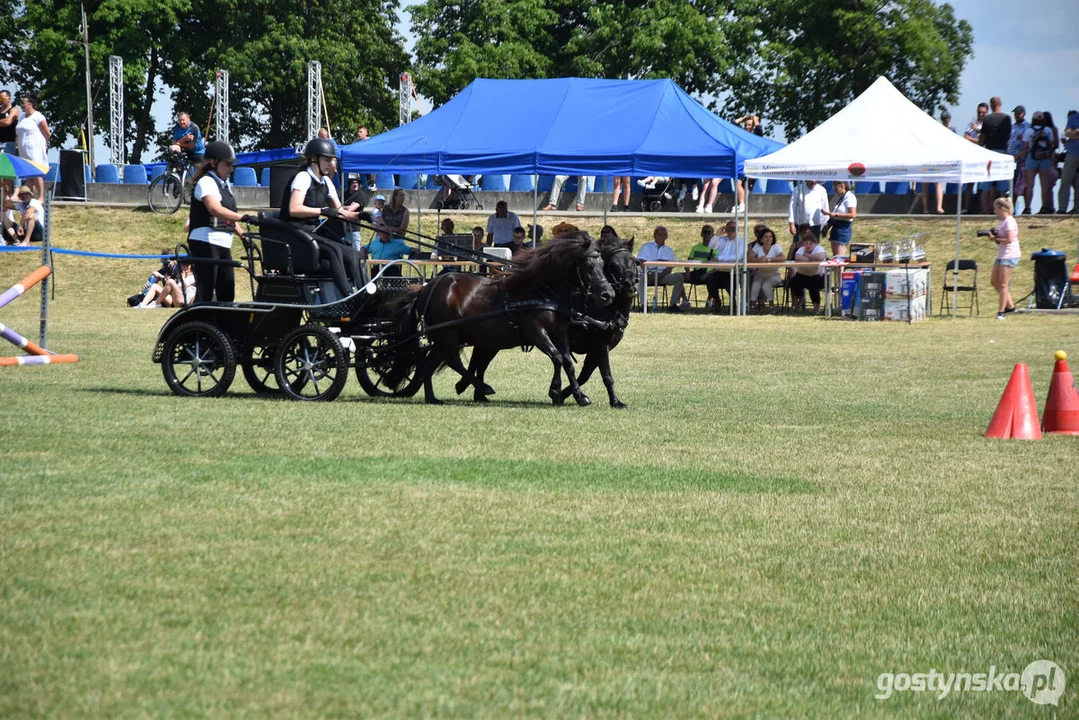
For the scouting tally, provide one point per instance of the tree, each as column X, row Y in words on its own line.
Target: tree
column 46, row 54
column 796, row 62
column 460, row 41
column 266, row 45
column 804, row 61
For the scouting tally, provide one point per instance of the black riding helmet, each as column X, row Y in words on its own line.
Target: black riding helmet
column 218, row 150
column 320, row 146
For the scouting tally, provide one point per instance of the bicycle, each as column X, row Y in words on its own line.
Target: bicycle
column 172, row 188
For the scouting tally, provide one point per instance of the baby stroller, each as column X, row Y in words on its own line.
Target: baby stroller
column 456, row 193
column 660, row 194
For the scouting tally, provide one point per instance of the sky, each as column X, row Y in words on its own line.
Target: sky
column 1025, row 52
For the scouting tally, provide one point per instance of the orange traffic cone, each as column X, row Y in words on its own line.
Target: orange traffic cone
column 1062, row 406
column 1017, row 414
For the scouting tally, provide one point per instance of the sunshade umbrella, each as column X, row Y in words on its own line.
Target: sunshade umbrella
column 13, row 166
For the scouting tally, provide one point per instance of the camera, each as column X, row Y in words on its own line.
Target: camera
column 985, row 233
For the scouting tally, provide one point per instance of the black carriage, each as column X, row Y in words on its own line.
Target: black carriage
column 298, row 337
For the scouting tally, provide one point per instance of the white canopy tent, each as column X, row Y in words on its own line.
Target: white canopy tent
column 883, row 136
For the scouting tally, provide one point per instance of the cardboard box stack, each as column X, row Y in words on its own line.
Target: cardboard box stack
column 905, row 294
column 870, row 305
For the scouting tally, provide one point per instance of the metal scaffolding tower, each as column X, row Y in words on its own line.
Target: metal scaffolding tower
column 116, row 110
column 221, row 105
column 314, row 98
column 404, row 99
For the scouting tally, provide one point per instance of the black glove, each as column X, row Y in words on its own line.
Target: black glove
column 249, row 219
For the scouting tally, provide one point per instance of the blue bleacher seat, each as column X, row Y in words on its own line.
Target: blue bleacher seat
column 897, row 188
column 521, row 183
column 829, row 187
column 777, row 187
column 951, row 189
column 54, row 173
column 154, row 170
column 725, row 186
column 86, row 174
column 546, row 182
column 496, row 183
column 244, row 177
column 408, row 181
column 264, row 177
column 135, row 175
column 108, row 173
column 432, row 182
column 385, row 181
column 866, row 187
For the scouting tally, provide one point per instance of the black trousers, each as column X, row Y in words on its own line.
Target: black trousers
column 813, row 283
column 717, row 280
column 344, row 263
column 210, row 277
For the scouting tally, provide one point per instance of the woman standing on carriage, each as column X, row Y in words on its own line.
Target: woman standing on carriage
column 311, row 195
column 213, row 221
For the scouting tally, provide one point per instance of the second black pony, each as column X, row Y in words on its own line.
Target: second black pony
column 530, row 305
column 595, row 336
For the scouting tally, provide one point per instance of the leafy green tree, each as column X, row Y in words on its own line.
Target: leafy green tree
column 266, row 45
column 801, row 62
column 458, row 41
column 46, row 54
column 795, row 62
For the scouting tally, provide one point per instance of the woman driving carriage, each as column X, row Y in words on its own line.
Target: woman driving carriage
column 310, row 196
column 213, row 221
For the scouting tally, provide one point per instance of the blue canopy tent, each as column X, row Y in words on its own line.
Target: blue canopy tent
column 568, row 126
column 574, row 126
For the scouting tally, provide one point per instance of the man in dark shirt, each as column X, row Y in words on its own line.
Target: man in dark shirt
column 996, row 131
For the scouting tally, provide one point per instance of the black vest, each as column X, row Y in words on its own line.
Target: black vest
column 7, row 134
column 318, row 196
column 201, row 217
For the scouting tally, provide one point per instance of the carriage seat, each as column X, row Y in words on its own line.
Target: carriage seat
column 288, row 250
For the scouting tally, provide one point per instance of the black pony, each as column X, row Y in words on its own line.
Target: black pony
column 530, row 305
column 596, row 336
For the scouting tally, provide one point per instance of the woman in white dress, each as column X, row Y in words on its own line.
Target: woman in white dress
column 32, row 136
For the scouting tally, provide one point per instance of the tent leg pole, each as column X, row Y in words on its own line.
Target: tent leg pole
column 958, row 222
column 604, row 199
column 535, row 202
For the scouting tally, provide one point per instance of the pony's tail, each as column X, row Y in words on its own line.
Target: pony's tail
column 407, row 353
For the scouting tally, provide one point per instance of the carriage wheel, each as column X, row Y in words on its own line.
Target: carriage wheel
column 259, row 372
column 198, row 361
column 440, row 205
column 656, row 206
column 166, row 194
column 311, row 364
column 372, row 376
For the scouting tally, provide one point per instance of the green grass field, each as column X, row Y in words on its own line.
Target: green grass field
column 790, row 507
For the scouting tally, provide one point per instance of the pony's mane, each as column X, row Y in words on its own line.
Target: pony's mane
column 536, row 268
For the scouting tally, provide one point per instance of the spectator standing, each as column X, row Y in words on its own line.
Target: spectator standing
column 1069, row 177
column 806, row 206
column 995, row 135
column 395, row 217
column 709, row 191
column 1015, row 146
column 621, row 186
column 582, row 191
column 361, row 135
column 841, row 217
column 9, row 118
column 1006, row 236
column 971, row 134
column 751, row 124
column 946, row 121
column 811, row 279
column 729, row 249
column 1039, row 147
column 659, row 250
column 500, row 226
column 765, row 280
column 187, row 139
column 32, row 136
